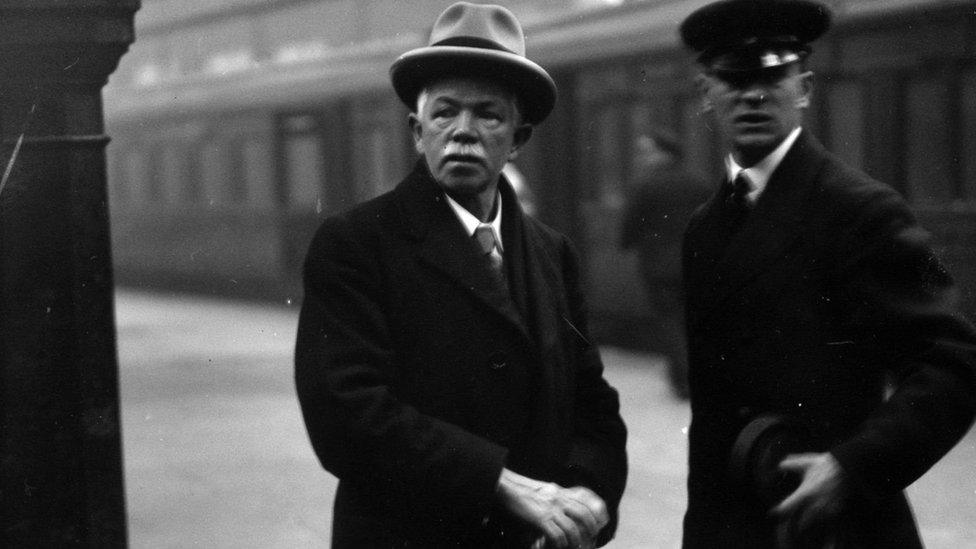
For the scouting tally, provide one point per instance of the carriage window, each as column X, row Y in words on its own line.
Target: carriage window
column 846, row 121
column 255, row 173
column 968, row 126
column 305, row 171
column 609, row 161
column 131, row 185
column 378, row 176
column 928, row 157
column 232, row 185
column 174, row 183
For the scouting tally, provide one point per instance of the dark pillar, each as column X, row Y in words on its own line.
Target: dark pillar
column 59, row 407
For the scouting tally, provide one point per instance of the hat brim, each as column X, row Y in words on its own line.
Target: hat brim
column 533, row 85
column 757, row 452
column 722, row 23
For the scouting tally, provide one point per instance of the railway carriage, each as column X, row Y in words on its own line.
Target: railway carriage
column 219, row 176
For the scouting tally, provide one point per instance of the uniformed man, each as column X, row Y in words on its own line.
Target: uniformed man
column 809, row 285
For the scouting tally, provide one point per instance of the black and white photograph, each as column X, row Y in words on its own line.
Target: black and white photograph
column 526, row 274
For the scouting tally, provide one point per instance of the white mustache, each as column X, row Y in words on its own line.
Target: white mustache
column 463, row 150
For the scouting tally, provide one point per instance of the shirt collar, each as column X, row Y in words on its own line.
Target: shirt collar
column 470, row 222
column 760, row 173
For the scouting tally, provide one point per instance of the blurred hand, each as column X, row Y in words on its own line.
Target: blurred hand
column 568, row 518
column 809, row 517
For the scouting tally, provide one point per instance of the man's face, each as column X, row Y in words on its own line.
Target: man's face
column 756, row 110
column 467, row 129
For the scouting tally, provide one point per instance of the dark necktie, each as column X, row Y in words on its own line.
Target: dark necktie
column 489, row 248
column 738, row 200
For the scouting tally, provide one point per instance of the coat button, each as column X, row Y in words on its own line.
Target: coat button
column 497, row 361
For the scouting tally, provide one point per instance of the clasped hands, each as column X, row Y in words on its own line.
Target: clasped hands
column 567, row 518
column 810, row 515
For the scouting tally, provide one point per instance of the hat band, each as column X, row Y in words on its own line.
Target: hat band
column 473, row 42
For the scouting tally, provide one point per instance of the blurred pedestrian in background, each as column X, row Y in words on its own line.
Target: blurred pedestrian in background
column 809, row 284
column 443, row 362
column 523, row 192
column 655, row 217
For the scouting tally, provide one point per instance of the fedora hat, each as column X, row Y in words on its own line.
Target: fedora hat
column 476, row 40
column 749, row 35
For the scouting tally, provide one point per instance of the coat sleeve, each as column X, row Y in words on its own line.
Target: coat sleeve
column 902, row 306
column 597, row 458
column 344, row 367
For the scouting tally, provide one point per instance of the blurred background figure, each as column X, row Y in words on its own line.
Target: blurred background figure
column 659, row 204
column 521, row 187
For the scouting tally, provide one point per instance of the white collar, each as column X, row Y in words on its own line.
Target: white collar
column 470, row 222
column 760, row 173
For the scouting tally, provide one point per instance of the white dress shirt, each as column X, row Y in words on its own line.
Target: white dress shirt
column 760, row 173
column 470, row 222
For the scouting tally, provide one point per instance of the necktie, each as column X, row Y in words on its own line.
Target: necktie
column 741, row 187
column 738, row 200
column 489, row 247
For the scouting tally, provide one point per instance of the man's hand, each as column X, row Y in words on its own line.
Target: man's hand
column 568, row 518
column 813, row 510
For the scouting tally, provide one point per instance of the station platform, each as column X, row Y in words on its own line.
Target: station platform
column 216, row 454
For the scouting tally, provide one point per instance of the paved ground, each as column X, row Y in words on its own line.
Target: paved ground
column 216, row 454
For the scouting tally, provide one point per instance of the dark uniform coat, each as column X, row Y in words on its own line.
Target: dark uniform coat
column 419, row 380
column 827, row 292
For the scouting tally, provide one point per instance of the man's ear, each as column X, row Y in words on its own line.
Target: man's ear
column 522, row 135
column 704, row 83
column 806, row 90
column 417, row 130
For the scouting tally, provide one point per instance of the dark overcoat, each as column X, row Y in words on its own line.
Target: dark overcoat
column 828, row 295
column 419, row 380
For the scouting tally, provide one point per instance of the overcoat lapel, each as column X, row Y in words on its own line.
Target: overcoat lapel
column 535, row 279
column 771, row 227
column 532, row 275
column 444, row 245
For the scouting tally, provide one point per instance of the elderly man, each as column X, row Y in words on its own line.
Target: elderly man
column 829, row 365
column 443, row 363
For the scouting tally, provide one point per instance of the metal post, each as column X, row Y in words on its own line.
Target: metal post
column 61, row 457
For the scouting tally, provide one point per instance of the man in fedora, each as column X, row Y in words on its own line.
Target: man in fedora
column 443, row 362
column 825, row 342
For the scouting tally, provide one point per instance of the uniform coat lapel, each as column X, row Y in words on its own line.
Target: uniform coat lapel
column 724, row 264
